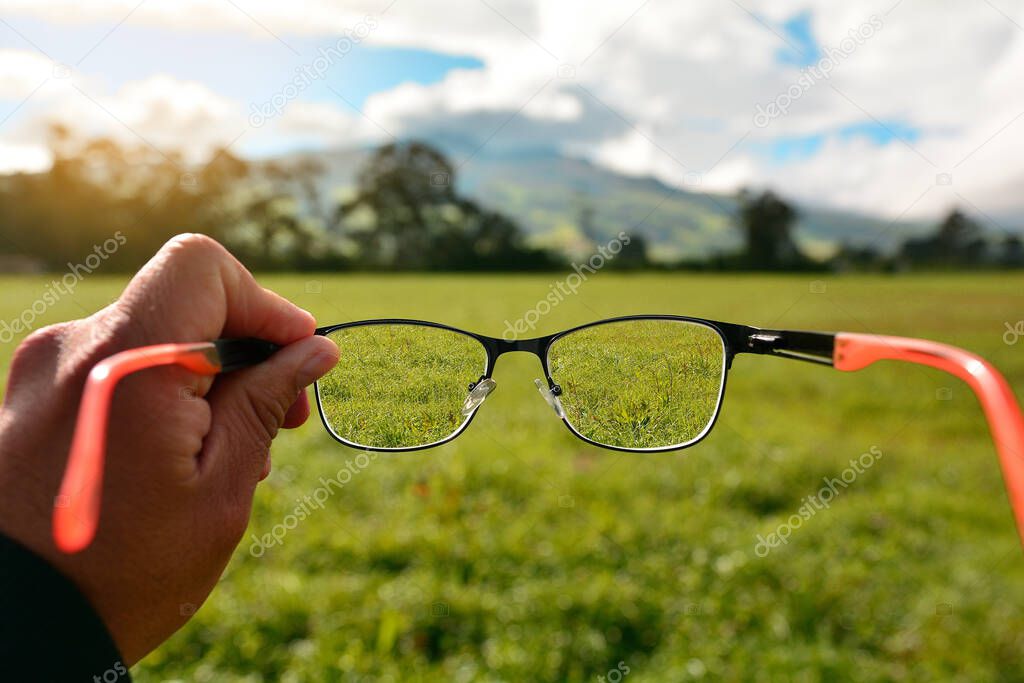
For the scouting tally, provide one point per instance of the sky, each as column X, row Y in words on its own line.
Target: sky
column 900, row 108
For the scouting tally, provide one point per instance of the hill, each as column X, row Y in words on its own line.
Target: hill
column 560, row 201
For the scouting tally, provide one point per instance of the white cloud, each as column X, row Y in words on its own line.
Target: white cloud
column 687, row 76
column 160, row 112
column 21, row 72
column 248, row 16
column 164, row 114
column 324, row 123
column 30, row 158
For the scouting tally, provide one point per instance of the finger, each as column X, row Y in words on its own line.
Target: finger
column 250, row 406
column 163, row 408
column 195, row 290
column 295, row 417
column 298, row 413
column 253, row 311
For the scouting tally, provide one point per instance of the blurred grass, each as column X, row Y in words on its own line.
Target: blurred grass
column 520, row 553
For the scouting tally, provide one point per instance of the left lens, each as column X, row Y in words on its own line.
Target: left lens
column 640, row 384
column 399, row 385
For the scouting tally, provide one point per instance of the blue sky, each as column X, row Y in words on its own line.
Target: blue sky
column 246, row 67
column 879, row 133
column 802, row 50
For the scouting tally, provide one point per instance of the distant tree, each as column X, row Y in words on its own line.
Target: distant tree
column 632, row 255
column 98, row 188
column 957, row 241
column 1012, row 252
column 95, row 189
column 766, row 221
column 406, row 215
column 854, row 257
column 405, row 187
column 281, row 221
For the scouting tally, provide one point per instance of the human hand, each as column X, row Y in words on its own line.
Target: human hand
column 184, row 452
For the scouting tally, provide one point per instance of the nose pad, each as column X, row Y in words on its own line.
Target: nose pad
column 550, row 396
column 478, row 391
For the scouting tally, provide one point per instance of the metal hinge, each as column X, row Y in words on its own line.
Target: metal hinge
column 763, row 342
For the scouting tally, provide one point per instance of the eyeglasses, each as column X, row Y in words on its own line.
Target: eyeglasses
column 644, row 384
column 637, row 384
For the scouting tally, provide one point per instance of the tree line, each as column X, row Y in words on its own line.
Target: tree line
column 404, row 213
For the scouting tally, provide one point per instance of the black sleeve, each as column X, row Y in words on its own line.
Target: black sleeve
column 48, row 631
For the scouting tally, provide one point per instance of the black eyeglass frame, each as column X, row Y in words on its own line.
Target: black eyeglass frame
column 815, row 347
column 75, row 525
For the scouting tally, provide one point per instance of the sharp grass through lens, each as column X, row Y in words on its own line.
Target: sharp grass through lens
column 640, row 384
column 399, row 385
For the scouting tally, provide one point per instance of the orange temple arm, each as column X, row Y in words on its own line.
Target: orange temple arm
column 76, row 509
column 856, row 351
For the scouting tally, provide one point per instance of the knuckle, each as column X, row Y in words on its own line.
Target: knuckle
column 101, row 335
column 39, row 351
column 190, row 254
column 106, row 332
column 193, row 257
column 191, row 243
column 160, row 302
column 44, row 342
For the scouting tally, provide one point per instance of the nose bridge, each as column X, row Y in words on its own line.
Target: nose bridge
column 534, row 346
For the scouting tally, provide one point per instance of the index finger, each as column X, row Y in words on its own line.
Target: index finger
column 193, row 289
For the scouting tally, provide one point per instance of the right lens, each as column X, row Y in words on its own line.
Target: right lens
column 642, row 384
column 399, row 385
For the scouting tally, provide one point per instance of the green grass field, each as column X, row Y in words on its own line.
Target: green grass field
column 519, row 553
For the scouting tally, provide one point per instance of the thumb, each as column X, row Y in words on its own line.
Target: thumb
column 250, row 406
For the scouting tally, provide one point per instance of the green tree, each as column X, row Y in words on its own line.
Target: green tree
column 1012, row 255
column 97, row 188
column 957, row 241
column 766, row 221
column 406, row 215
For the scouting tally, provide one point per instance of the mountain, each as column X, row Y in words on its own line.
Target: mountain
column 562, row 201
